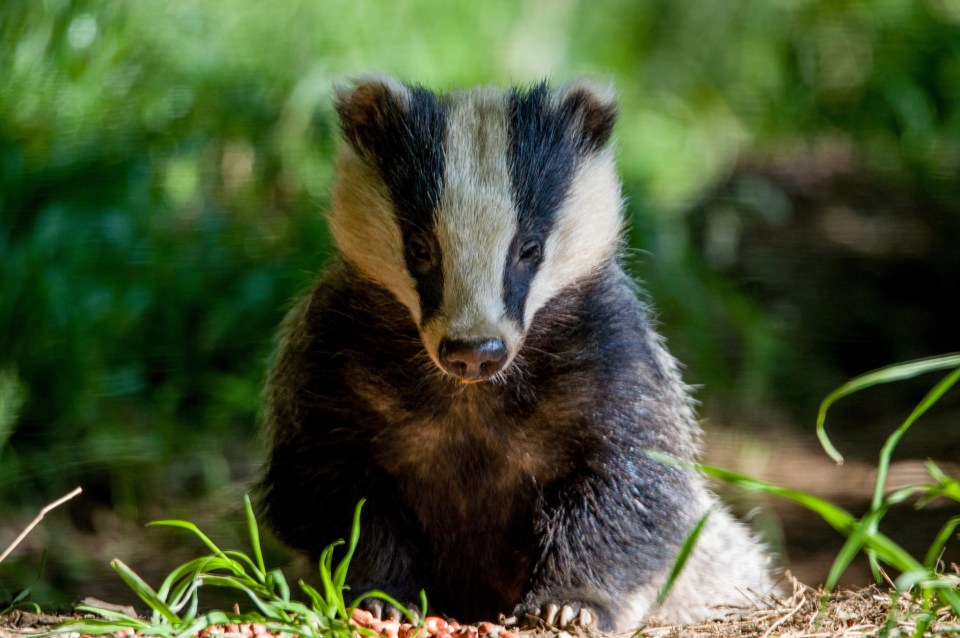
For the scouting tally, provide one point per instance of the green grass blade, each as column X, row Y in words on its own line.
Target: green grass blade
column 851, row 547
column 944, row 587
column 340, row 576
column 175, row 579
column 886, row 452
column 316, row 600
column 952, row 597
column 192, row 627
column 109, row 614
column 184, row 593
column 254, row 532
column 98, row 626
column 908, row 580
column 195, row 530
column 949, row 486
column 884, row 375
column 193, row 602
column 891, row 553
column 277, row 583
column 19, row 601
column 144, row 591
column 295, row 608
column 217, row 617
column 887, row 374
column 933, row 553
column 905, row 493
column 24, row 604
column 269, row 609
column 331, row 594
column 925, row 617
column 837, row 517
column 423, row 609
column 240, row 560
column 682, row 555
column 306, row 630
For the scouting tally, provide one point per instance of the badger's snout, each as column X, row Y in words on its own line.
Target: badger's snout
column 473, row 359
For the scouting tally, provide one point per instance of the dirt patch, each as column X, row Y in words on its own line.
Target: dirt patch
column 847, row 614
column 23, row 623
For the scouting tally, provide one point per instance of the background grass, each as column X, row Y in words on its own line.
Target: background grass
column 791, row 171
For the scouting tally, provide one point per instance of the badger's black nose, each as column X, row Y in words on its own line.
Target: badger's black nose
column 473, row 359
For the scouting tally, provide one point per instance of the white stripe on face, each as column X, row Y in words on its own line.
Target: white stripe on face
column 586, row 231
column 476, row 222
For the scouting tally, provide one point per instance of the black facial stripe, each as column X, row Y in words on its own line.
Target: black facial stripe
column 429, row 285
column 516, row 280
column 545, row 147
column 406, row 146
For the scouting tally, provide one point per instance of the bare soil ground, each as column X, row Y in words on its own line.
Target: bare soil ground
column 847, row 614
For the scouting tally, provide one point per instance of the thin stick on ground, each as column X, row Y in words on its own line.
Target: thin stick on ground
column 57, row 503
column 784, row 619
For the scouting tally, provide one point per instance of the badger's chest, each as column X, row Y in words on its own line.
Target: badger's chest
column 472, row 469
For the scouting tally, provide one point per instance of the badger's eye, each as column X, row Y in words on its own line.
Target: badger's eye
column 420, row 252
column 531, row 252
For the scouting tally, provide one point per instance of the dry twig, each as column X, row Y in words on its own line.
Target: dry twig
column 57, row 503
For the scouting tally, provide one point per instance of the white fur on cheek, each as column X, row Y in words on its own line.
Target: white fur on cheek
column 586, row 232
column 365, row 230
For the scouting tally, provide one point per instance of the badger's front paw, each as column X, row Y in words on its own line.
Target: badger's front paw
column 382, row 610
column 561, row 614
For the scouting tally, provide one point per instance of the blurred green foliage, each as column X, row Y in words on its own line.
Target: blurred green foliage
column 164, row 165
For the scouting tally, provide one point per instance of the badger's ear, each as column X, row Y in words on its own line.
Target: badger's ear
column 366, row 108
column 592, row 105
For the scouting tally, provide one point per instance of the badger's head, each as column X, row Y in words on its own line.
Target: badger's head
column 475, row 208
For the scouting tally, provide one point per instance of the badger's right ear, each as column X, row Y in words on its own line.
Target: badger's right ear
column 593, row 105
column 367, row 108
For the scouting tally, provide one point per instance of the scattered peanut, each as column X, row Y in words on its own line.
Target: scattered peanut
column 432, row 627
column 434, row 624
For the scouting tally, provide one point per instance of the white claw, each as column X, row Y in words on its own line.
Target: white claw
column 586, row 618
column 566, row 616
column 551, row 614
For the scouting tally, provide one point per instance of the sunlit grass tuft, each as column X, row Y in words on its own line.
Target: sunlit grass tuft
column 175, row 604
column 922, row 578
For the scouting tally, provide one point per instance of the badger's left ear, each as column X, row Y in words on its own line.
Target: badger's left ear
column 591, row 104
column 369, row 109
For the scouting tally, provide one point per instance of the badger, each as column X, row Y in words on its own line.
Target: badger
column 476, row 364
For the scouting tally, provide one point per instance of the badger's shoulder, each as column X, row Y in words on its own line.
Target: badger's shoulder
column 346, row 333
